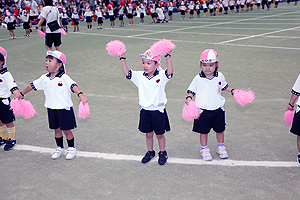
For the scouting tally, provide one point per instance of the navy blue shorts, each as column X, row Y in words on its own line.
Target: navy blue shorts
column 210, row 119
column 51, row 38
column 6, row 114
column 88, row 19
column 296, row 124
column 61, row 118
column 153, row 120
column 121, row 17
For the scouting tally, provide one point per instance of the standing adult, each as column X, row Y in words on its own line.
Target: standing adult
column 51, row 14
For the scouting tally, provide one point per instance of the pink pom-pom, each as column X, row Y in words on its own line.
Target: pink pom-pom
column 116, row 48
column 288, row 117
column 244, row 97
column 83, row 110
column 41, row 33
column 28, row 110
column 162, row 47
column 190, row 112
column 63, row 32
column 17, row 107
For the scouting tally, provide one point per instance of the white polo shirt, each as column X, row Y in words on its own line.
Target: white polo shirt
column 7, row 83
column 152, row 95
column 296, row 89
column 57, row 90
column 24, row 17
column 208, row 91
column 51, row 13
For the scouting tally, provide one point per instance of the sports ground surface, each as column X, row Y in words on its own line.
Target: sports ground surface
column 256, row 49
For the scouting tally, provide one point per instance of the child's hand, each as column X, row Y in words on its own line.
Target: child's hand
column 83, row 99
column 187, row 101
column 290, row 107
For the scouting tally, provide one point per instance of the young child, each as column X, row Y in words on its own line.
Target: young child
column 99, row 14
column 57, row 86
column 121, row 13
column 7, row 87
column 142, row 10
column 64, row 17
column 197, row 7
column 207, row 87
column 25, row 18
column 110, row 10
column 75, row 19
column 170, row 10
column 161, row 18
column 296, row 121
column 151, row 84
column 153, row 13
column 129, row 9
column 204, row 7
column 182, row 8
column 10, row 21
column 88, row 17
column 191, row 7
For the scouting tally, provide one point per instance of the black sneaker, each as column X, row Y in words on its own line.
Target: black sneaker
column 298, row 159
column 9, row 145
column 2, row 142
column 148, row 156
column 163, row 157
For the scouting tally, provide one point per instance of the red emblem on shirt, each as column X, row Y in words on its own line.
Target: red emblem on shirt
column 157, row 81
column 1, row 81
column 219, row 82
column 60, row 84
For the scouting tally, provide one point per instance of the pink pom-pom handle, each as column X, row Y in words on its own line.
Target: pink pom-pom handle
column 83, row 110
column 190, row 111
column 243, row 97
column 63, row 32
column 162, row 47
column 28, row 110
column 41, row 33
column 17, row 107
column 116, row 48
column 288, row 117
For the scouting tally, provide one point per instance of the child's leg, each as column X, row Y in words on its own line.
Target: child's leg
column 298, row 143
column 71, row 148
column 161, row 142
column 11, row 130
column 203, row 139
column 220, row 137
column 149, row 141
column 3, row 131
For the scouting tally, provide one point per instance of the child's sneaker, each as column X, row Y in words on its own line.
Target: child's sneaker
column 58, row 152
column 221, row 150
column 163, row 157
column 71, row 153
column 148, row 156
column 298, row 159
column 205, row 153
column 2, row 142
column 9, row 145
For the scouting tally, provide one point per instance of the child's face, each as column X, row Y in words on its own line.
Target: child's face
column 149, row 66
column 52, row 64
column 208, row 69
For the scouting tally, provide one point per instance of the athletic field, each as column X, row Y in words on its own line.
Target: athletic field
column 257, row 50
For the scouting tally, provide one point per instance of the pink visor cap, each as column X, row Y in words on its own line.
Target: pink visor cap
column 147, row 55
column 209, row 56
column 60, row 56
column 3, row 52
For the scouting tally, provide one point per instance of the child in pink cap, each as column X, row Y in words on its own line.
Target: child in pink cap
column 57, row 87
column 7, row 87
column 151, row 84
column 207, row 86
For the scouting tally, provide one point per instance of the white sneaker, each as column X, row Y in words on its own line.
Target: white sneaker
column 58, row 152
column 71, row 153
column 205, row 153
column 221, row 150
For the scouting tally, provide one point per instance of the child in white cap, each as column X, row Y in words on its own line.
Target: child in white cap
column 207, row 86
column 10, row 21
column 151, row 84
column 57, row 87
column 7, row 87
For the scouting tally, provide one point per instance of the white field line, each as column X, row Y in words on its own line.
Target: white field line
column 184, row 161
column 259, row 35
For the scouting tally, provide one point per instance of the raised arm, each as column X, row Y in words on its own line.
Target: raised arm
column 124, row 64
column 169, row 64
